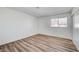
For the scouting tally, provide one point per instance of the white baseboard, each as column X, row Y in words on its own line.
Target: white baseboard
column 56, row 36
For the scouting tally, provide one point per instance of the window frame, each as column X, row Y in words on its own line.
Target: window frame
column 59, row 25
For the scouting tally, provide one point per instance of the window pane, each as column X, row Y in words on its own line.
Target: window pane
column 62, row 25
column 54, row 22
column 63, row 21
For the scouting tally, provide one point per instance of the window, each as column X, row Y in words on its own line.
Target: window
column 59, row 22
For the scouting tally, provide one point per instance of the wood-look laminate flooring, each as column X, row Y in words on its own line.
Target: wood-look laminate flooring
column 40, row 43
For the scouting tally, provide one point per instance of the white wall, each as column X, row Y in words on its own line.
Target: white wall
column 76, row 27
column 44, row 27
column 16, row 25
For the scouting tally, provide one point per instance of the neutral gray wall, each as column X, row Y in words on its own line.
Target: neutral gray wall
column 44, row 27
column 76, row 27
column 15, row 25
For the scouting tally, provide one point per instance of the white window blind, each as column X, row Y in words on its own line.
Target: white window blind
column 59, row 22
